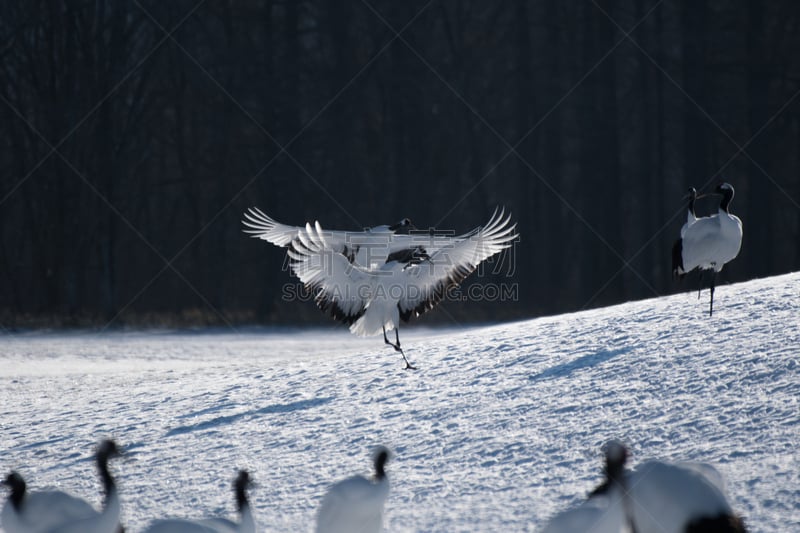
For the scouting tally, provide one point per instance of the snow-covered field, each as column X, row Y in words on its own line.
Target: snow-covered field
column 498, row 429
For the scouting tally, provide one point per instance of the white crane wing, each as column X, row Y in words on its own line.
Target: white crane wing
column 362, row 247
column 414, row 277
column 342, row 288
column 425, row 283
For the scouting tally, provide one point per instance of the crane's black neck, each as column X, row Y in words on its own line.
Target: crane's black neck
column 380, row 463
column 18, row 488
column 108, row 482
column 615, row 476
column 403, row 224
column 240, row 488
column 727, row 196
column 105, row 452
column 614, row 470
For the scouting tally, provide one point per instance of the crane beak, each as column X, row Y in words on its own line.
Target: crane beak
column 706, row 195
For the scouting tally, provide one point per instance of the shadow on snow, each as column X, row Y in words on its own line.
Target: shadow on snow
column 230, row 419
column 589, row 360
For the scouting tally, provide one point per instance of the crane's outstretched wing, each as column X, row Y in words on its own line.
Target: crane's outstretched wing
column 341, row 288
column 425, row 283
column 369, row 249
column 358, row 246
column 412, row 278
column 264, row 227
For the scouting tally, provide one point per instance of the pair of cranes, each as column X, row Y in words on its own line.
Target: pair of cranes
column 373, row 279
column 707, row 243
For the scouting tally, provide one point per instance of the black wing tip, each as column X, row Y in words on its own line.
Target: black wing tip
column 438, row 293
column 331, row 307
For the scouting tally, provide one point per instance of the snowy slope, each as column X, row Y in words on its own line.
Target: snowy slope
column 500, row 428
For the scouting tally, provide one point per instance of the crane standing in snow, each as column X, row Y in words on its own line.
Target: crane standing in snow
column 246, row 522
column 655, row 497
column 58, row 512
column 355, row 504
column 608, row 507
column 708, row 242
column 372, row 279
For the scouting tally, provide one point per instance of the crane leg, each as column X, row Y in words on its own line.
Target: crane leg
column 713, row 279
column 700, row 283
column 396, row 346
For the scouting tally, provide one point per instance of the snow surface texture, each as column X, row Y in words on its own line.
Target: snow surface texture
column 499, row 429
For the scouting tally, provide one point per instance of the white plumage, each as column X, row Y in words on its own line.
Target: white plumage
column 107, row 520
column 678, row 498
column 355, row 505
column 709, row 242
column 608, row 508
column 56, row 511
column 26, row 512
column 600, row 514
column 372, row 279
column 215, row 525
column 656, row 497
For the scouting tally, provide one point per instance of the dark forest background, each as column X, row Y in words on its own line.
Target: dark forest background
column 134, row 134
